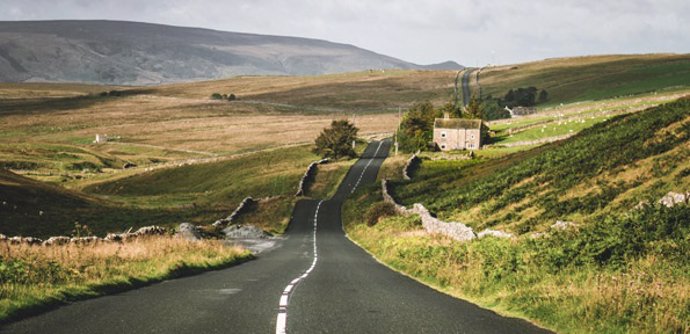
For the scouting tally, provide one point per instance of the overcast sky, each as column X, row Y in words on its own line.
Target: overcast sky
column 471, row 32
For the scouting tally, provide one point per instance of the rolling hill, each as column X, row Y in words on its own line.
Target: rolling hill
column 590, row 241
column 132, row 53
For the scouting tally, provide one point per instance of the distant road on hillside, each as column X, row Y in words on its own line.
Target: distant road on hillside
column 466, row 91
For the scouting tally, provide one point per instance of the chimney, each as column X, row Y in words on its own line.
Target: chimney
column 446, row 115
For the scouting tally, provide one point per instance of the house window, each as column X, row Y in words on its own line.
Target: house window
column 443, row 146
column 471, row 145
column 472, row 136
column 443, row 135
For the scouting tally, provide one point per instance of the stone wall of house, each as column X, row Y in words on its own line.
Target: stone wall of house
column 457, row 139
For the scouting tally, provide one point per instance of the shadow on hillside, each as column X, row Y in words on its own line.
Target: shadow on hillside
column 46, row 105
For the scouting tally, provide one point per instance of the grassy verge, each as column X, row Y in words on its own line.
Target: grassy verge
column 270, row 214
column 35, row 278
column 623, row 275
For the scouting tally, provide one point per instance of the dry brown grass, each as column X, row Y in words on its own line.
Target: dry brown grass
column 34, row 276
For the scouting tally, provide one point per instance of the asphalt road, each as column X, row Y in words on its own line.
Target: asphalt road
column 342, row 290
column 466, row 92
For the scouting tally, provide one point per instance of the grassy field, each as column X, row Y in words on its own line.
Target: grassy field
column 33, row 278
column 590, row 78
column 198, row 193
column 619, row 270
column 47, row 131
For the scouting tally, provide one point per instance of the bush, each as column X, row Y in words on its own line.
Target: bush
column 216, row 96
column 377, row 211
column 336, row 141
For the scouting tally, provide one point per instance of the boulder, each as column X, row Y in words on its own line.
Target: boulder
column 190, row 232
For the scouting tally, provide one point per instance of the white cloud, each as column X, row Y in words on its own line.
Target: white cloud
column 468, row 31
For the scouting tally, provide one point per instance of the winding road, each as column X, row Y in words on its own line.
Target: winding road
column 314, row 281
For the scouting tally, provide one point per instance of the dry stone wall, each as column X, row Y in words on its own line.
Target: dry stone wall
column 246, row 202
column 308, row 175
column 431, row 224
column 409, row 166
column 89, row 240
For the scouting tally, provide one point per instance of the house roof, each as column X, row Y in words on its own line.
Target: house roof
column 457, row 123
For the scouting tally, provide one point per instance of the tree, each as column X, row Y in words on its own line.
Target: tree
column 216, row 96
column 543, row 96
column 474, row 108
column 232, row 97
column 336, row 141
column 416, row 129
column 451, row 109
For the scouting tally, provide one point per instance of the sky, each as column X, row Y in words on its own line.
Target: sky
column 470, row 32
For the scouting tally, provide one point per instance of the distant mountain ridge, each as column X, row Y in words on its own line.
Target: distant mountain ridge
column 133, row 53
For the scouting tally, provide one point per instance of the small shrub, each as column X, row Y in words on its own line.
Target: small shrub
column 216, row 96
column 378, row 211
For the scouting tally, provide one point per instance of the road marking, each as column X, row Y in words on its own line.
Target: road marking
column 281, row 320
column 365, row 168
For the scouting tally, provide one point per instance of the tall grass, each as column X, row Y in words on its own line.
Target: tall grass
column 34, row 277
column 567, row 282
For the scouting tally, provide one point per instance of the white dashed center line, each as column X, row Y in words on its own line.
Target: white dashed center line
column 281, row 320
column 365, row 168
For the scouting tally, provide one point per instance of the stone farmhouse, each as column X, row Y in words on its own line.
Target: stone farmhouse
column 458, row 133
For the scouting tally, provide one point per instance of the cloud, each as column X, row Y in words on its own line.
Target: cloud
column 471, row 32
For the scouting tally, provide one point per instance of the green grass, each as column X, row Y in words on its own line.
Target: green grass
column 272, row 214
column 606, row 168
column 199, row 193
column 258, row 175
column 591, row 78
